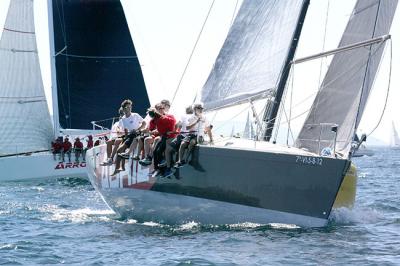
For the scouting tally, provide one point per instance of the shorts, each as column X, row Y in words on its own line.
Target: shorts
column 128, row 139
column 176, row 142
column 189, row 137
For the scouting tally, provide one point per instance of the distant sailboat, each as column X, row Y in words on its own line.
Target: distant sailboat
column 26, row 131
column 257, row 181
column 394, row 140
column 92, row 56
column 248, row 132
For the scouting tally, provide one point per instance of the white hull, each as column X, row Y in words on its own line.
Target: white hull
column 363, row 152
column 41, row 165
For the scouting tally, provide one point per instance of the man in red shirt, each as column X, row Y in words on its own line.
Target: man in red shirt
column 164, row 129
column 78, row 148
column 56, row 147
column 89, row 145
column 67, row 147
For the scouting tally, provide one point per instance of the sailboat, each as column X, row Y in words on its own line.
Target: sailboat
column 394, row 140
column 248, row 132
column 85, row 63
column 26, row 132
column 259, row 181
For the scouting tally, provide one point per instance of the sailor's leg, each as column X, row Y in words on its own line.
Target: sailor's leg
column 117, row 143
column 182, row 150
column 192, row 143
column 109, row 147
column 140, row 148
column 84, row 154
column 168, row 152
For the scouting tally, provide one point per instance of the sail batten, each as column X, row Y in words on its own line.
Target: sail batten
column 344, row 92
column 249, row 65
column 24, row 115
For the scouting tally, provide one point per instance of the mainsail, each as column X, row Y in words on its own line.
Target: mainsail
column 96, row 62
column 340, row 102
column 24, row 115
column 250, row 65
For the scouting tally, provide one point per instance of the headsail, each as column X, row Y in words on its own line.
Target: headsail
column 24, row 115
column 96, row 62
column 249, row 65
column 344, row 92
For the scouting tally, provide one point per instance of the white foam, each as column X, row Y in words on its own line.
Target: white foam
column 355, row 215
column 9, row 247
column 151, row 224
column 75, row 216
column 245, row 225
column 284, row 226
column 189, row 226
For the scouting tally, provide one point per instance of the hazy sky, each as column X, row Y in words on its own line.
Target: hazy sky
column 165, row 32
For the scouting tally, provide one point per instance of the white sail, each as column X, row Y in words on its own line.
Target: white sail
column 395, row 140
column 24, row 115
column 340, row 102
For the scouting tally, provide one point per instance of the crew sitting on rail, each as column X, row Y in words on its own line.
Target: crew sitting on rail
column 96, row 143
column 89, row 145
column 165, row 149
column 67, row 148
column 161, row 126
column 132, row 123
column 56, row 147
column 197, row 127
column 78, row 149
column 183, row 132
column 153, row 137
column 116, row 137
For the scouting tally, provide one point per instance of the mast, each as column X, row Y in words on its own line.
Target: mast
column 271, row 113
column 56, row 122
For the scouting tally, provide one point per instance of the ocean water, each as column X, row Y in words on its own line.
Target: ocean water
column 64, row 221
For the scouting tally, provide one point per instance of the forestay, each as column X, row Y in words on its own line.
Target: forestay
column 253, row 56
column 345, row 89
column 24, row 115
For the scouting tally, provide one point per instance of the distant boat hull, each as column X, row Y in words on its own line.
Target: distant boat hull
column 41, row 165
column 258, row 186
column 363, row 152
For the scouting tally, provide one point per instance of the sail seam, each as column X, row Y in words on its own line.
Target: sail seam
column 19, row 31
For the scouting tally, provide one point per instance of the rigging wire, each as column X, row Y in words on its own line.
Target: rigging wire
column 289, row 130
column 387, row 90
column 230, row 26
column 234, row 12
column 321, row 61
column 193, row 50
column 95, row 56
column 359, row 113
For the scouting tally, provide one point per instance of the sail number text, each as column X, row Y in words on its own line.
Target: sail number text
column 308, row 160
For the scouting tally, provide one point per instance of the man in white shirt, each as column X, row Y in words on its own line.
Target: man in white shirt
column 197, row 126
column 132, row 123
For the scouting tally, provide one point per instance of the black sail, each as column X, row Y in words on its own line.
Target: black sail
column 96, row 62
